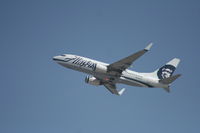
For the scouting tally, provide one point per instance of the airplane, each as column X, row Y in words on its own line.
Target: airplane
column 109, row 75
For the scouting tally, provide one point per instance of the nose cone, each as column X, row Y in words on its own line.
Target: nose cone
column 57, row 58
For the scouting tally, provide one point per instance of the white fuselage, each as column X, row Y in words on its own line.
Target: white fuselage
column 99, row 69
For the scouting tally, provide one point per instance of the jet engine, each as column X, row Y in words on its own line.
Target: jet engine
column 92, row 80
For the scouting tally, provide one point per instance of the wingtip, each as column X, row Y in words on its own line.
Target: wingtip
column 148, row 47
column 121, row 91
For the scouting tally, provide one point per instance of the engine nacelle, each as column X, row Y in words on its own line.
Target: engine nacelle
column 101, row 68
column 92, row 80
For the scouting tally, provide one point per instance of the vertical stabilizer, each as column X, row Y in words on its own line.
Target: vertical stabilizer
column 167, row 70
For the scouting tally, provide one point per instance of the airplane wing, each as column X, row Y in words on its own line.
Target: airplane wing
column 124, row 63
column 110, row 85
column 113, row 90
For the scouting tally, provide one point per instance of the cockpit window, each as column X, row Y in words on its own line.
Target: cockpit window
column 62, row 55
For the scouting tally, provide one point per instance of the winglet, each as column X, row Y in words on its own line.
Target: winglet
column 148, row 47
column 121, row 91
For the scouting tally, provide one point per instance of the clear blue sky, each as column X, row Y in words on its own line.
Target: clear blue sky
column 39, row 96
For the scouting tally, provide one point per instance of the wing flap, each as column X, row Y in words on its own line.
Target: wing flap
column 113, row 90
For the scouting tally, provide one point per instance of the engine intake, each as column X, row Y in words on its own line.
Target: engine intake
column 92, row 80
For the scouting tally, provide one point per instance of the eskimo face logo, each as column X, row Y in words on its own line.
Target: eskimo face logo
column 165, row 71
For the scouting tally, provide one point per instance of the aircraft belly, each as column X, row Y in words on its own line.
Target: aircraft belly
column 131, row 83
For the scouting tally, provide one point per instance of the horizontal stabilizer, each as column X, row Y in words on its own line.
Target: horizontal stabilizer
column 170, row 79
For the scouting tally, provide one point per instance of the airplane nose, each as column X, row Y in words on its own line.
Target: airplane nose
column 55, row 58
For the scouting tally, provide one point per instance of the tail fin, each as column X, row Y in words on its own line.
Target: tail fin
column 167, row 70
column 164, row 74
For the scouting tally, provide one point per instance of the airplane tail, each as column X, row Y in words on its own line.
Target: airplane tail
column 168, row 81
column 165, row 73
column 167, row 70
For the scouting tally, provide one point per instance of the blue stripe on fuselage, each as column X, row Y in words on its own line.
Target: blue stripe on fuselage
column 137, row 81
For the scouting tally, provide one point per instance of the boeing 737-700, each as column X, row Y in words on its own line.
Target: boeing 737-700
column 111, row 74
